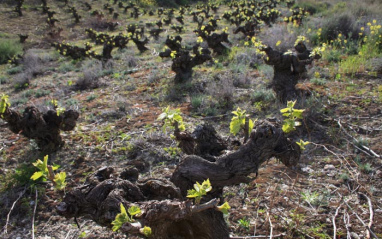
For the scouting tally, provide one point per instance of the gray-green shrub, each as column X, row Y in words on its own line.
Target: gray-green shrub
column 8, row 49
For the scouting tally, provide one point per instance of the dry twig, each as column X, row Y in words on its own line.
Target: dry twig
column 34, row 213
column 259, row 236
column 370, row 151
column 372, row 234
column 334, row 221
column 346, row 222
column 371, row 214
column 10, row 211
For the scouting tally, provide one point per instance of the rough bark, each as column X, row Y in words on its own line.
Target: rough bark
column 183, row 63
column 141, row 44
column 204, row 142
column 234, row 168
column 163, row 203
column 44, row 128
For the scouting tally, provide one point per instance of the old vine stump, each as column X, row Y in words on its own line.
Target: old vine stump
column 164, row 204
column 44, row 128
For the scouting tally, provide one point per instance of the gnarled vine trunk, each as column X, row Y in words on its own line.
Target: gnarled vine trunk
column 44, row 128
column 288, row 69
column 163, row 203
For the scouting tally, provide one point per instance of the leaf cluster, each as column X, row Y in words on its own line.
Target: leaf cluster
column 59, row 110
column 170, row 118
column 292, row 115
column 238, row 122
column 199, row 190
column 44, row 173
column 125, row 216
column 4, row 103
column 302, row 144
column 224, row 208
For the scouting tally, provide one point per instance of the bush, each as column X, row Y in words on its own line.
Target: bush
column 278, row 37
column 8, row 49
column 32, row 63
column 92, row 70
column 312, row 6
column 333, row 55
column 343, row 23
column 263, row 95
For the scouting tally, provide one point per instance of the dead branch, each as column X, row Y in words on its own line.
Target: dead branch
column 355, row 140
column 34, row 213
column 270, row 224
column 334, row 221
column 372, row 234
column 13, row 206
column 370, row 224
column 347, row 222
column 260, row 236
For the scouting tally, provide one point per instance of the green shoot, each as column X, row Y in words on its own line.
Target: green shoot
column 121, row 218
column 127, row 216
column 59, row 180
column 244, row 222
column 59, row 110
column 290, row 123
column 170, row 118
column 224, row 208
column 302, row 144
column 199, row 190
column 46, row 172
column 134, row 210
column 4, row 103
column 146, row 231
column 43, row 167
column 238, row 122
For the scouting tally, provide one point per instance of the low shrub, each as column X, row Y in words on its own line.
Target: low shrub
column 92, row 70
column 8, row 49
column 263, row 95
column 344, row 24
column 278, row 37
column 312, row 7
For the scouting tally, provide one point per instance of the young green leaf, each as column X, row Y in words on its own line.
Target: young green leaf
column 170, row 117
column 60, row 110
column 199, row 190
column 288, row 126
column 192, row 193
column 224, row 208
column 59, row 180
column 146, row 231
column 120, row 219
column 134, row 210
column 206, row 185
column 238, row 121
column 4, row 104
column 235, row 126
column 302, row 144
column 251, row 124
column 292, row 115
column 43, row 167
column 37, row 175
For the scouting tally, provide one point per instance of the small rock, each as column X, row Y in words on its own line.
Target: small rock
column 329, row 167
column 307, row 170
column 284, row 187
column 9, row 143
